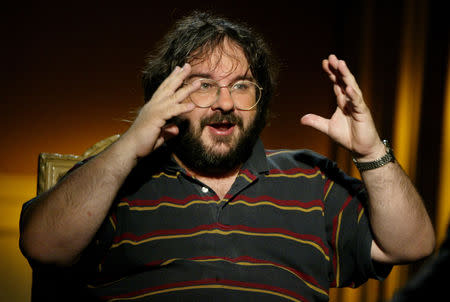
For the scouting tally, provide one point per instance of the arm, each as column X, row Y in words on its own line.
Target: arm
column 61, row 222
column 402, row 229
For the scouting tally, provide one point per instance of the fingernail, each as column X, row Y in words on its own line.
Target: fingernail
column 176, row 69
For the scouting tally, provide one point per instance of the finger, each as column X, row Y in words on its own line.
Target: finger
column 352, row 94
column 316, row 122
column 339, row 90
column 341, row 75
column 159, row 141
column 173, row 81
column 326, row 67
column 333, row 63
column 178, row 109
column 347, row 77
column 176, row 80
column 331, row 67
column 163, row 86
column 357, row 101
column 170, row 130
column 182, row 93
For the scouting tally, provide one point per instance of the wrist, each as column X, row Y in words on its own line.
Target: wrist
column 376, row 152
column 123, row 151
column 376, row 159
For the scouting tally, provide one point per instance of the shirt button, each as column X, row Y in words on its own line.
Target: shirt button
column 205, row 190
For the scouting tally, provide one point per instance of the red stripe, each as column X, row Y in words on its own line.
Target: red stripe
column 209, row 282
column 360, row 207
column 248, row 174
column 333, row 240
column 327, row 185
column 294, row 171
column 136, row 238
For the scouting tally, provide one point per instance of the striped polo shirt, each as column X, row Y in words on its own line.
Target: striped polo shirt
column 291, row 226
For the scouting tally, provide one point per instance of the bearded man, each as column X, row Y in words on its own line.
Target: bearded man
column 188, row 205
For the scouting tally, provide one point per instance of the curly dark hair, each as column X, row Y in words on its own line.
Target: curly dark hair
column 199, row 34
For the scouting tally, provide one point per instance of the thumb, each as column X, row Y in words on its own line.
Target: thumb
column 170, row 130
column 316, row 122
column 167, row 133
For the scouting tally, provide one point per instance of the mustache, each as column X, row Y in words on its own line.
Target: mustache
column 220, row 117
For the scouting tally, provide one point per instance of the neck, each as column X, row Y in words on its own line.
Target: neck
column 230, row 173
column 219, row 182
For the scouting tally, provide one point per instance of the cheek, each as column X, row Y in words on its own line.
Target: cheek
column 248, row 117
column 194, row 117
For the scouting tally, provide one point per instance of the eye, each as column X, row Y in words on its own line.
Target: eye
column 207, row 85
column 241, row 85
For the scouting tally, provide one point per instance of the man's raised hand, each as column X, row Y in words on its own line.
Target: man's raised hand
column 150, row 129
column 351, row 125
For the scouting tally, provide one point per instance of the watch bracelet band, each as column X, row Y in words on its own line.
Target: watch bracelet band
column 387, row 158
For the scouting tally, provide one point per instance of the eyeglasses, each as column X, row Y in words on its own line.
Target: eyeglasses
column 245, row 94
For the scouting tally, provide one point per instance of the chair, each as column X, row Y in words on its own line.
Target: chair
column 52, row 166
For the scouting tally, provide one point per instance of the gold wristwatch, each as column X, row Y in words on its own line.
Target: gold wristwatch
column 387, row 158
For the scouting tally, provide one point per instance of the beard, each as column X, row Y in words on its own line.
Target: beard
column 190, row 149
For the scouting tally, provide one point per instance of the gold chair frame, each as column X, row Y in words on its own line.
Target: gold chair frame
column 52, row 166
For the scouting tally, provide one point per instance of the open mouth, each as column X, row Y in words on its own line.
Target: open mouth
column 222, row 125
column 221, row 128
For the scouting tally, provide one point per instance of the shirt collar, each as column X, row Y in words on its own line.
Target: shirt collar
column 257, row 162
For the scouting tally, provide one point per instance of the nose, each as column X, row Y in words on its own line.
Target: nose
column 224, row 101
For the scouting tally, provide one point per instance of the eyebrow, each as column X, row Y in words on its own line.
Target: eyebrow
column 209, row 76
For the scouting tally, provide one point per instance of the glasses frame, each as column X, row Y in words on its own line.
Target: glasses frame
column 229, row 87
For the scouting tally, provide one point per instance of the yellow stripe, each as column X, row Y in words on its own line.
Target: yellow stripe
column 295, row 175
column 215, row 286
column 279, row 152
column 168, row 204
column 252, row 264
column 268, row 203
column 215, row 231
column 112, row 223
column 167, row 262
column 273, row 265
column 166, row 175
column 328, row 191
column 360, row 215
column 245, row 177
column 337, row 250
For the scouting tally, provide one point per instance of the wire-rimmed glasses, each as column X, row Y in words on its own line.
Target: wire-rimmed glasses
column 244, row 93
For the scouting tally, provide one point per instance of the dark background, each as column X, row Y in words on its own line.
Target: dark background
column 70, row 71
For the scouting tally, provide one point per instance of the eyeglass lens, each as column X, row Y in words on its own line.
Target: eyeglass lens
column 245, row 94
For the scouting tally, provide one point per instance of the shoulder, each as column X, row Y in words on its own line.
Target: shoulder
column 286, row 159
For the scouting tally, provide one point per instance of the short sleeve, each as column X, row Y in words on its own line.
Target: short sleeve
column 349, row 233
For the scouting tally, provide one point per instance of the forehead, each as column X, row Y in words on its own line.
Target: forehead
column 226, row 60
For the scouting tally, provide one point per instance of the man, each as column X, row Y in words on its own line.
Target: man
column 187, row 204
